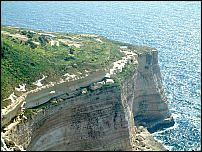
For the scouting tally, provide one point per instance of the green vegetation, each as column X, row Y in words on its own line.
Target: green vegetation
column 116, row 84
column 125, row 71
column 29, row 112
column 27, row 55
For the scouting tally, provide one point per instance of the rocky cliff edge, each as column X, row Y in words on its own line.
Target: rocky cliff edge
column 104, row 111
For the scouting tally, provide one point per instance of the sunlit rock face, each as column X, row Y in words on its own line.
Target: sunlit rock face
column 93, row 121
column 150, row 108
column 99, row 118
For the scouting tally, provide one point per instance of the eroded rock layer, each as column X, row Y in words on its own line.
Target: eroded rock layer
column 88, row 122
column 150, row 107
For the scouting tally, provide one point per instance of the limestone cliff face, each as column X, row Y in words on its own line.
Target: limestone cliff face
column 150, row 107
column 98, row 119
column 93, row 121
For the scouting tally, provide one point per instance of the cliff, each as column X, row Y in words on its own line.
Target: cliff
column 150, row 107
column 108, row 109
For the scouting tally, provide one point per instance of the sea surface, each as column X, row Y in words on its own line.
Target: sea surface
column 172, row 27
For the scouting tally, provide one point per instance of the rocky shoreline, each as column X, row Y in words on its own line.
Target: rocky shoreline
column 142, row 142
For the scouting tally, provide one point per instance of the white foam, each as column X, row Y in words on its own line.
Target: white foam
column 174, row 108
column 170, row 96
column 198, row 91
column 170, row 128
column 175, row 115
column 169, row 147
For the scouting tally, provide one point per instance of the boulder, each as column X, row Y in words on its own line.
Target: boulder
column 59, row 100
column 107, row 75
column 84, row 91
column 109, row 81
column 54, row 101
column 97, row 85
column 140, row 138
column 142, row 144
column 140, row 128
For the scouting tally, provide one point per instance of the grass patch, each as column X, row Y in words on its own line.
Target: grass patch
column 116, row 84
column 29, row 112
column 125, row 71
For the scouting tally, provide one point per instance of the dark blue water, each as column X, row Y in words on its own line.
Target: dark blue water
column 173, row 28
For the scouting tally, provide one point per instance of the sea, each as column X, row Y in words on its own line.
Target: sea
column 172, row 27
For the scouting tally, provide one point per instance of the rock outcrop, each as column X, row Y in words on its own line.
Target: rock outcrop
column 150, row 107
column 93, row 121
column 83, row 115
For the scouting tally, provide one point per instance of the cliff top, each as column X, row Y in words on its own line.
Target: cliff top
column 30, row 57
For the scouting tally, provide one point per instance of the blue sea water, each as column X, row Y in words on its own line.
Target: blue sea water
column 172, row 27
